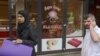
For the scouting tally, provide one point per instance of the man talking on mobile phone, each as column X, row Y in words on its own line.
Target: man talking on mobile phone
column 91, row 42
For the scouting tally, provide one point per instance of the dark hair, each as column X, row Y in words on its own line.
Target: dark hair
column 89, row 16
column 22, row 26
column 24, row 14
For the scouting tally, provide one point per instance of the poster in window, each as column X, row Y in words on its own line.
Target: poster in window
column 52, row 19
column 51, row 44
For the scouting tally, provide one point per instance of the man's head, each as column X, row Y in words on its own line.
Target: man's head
column 88, row 20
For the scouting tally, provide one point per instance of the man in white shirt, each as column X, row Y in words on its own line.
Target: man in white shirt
column 91, row 43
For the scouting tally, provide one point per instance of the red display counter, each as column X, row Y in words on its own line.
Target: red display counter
column 5, row 34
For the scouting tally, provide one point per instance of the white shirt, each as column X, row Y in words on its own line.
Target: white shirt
column 89, row 47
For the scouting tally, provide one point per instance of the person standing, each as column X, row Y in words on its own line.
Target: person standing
column 91, row 42
column 26, row 32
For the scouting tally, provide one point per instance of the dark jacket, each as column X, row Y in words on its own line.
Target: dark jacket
column 27, row 32
column 29, row 35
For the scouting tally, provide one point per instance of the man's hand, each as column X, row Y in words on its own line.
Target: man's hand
column 95, row 37
column 92, row 25
column 18, row 41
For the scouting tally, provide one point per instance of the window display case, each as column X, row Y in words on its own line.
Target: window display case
column 59, row 23
column 48, row 16
column 4, row 19
column 74, row 29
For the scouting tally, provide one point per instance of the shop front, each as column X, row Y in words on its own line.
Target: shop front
column 59, row 22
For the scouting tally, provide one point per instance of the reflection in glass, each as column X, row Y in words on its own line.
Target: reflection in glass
column 31, row 7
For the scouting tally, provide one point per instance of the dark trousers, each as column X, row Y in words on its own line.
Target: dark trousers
column 33, row 52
